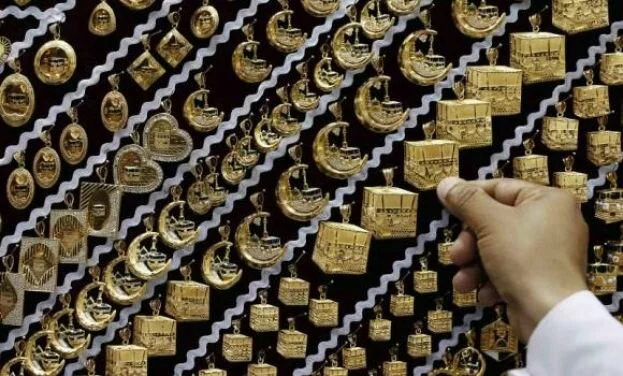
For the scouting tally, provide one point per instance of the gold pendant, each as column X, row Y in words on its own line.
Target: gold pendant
column 187, row 300
column 5, row 49
column 216, row 193
column 122, row 287
column 255, row 245
column 126, row 359
column 576, row 16
column 70, row 228
column 609, row 201
column 245, row 62
column 466, row 121
column 198, row 194
column 17, row 97
column 323, row 312
column 246, row 154
column 145, row 261
column 102, row 21
column 303, row 99
column 204, row 21
column 67, row 340
column 212, row 370
column 114, row 107
column 12, row 287
column 174, row 47
column 389, row 212
column 402, row 7
column 498, row 84
column 342, row 247
column 353, row 356
column 280, row 33
column 103, row 205
column 74, row 142
column 430, row 161
column 439, row 320
column 424, row 280
column 20, row 186
column 498, row 337
column 401, row 304
column 468, row 360
column 443, row 249
column 176, row 232
column 611, row 65
column 261, row 368
column 22, row 3
column 156, row 333
column 134, row 171
column 394, row 367
column 476, row 21
column 198, row 112
column 55, row 61
column 378, row 113
column 292, row 344
column 419, row 345
column 293, row 291
column 233, row 172
column 560, row 133
column 465, row 299
column 602, row 276
column 424, row 68
column 17, row 365
column 282, row 120
column 592, row 100
column 38, row 261
column 349, row 52
column 41, row 359
column 264, row 137
column 92, row 311
column 374, row 22
column 338, row 162
column 163, row 138
column 46, row 166
column 333, row 368
column 90, row 367
column 137, row 4
column 145, row 69
column 603, row 147
column 264, row 317
column 325, row 78
column 320, row 8
column 217, row 270
column 237, row 348
column 296, row 199
column 379, row 329
column 447, row 368
column 541, row 55
column 614, row 250
column 572, row 181
column 531, row 167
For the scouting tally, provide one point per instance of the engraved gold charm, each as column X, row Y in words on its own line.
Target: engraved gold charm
column 389, row 212
column 176, row 232
column 212, row 370
column 401, row 304
column 264, row 317
column 12, row 287
column 163, row 138
column 614, row 250
column 349, row 52
column 92, row 311
column 468, row 360
column 465, row 299
column 67, row 339
column 611, row 65
column 425, row 280
column 498, row 337
column 55, row 61
column 353, row 356
column 233, row 172
column 5, row 49
column 419, row 345
column 17, row 97
column 292, row 344
column 174, row 47
column 379, row 329
column 280, row 33
column 320, row 8
column 41, row 359
column 443, row 249
column 439, row 320
column 374, row 22
column 137, row 4
column 293, row 291
column 126, row 359
column 576, row 16
column 217, row 269
column 145, row 260
column 339, row 161
column 609, row 202
column 187, row 300
column 74, row 142
column 197, row 111
column 204, row 21
column 325, row 78
column 531, row 167
column 122, row 287
column 102, row 21
column 402, row 7
column 145, row 69
column 134, row 171
column 216, row 193
column 560, row 133
column 296, row 199
column 394, row 367
column 264, row 137
column 46, row 166
column 572, row 181
column 476, row 21
column 20, row 186
column 255, row 245
column 603, row 147
column 602, row 276
column 333, row 368
column 70, row 228
column 237, row 348
column 303, row 99
column 430, row 161
column 247, row 155
column 261, row 368
column 198, row 194
column 245, row 62
column 282, row 120
column 114, row 107
column 38, row 261
column 156, row 333
column 17, row 365
column 323, row 312
column 592, row 100
column 103, row 204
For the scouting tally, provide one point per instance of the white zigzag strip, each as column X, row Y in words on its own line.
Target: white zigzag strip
column 31, row 11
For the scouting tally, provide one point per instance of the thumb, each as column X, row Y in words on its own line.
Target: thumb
column 470, row 203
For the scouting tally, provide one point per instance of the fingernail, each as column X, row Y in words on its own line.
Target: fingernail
column 446, row 185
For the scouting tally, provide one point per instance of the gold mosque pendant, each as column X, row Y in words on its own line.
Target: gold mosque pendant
column 12, row 287
column 296, row 199
column 337, row 160
column 156, row 333
column 20, row 185
column 16, row 365
column 374, row 22
column 247, row 155
column 577, row 16
column 302, row 97
column 531, row 167
column 176, row 232
column 592, row 100
column 102, row 21
column 571, row 181
column 498, row 337
column 204, row 21
column 602, row 275
column 17, row 97
column 320, row 8
column 231, row 169
column 102, row 203
column 137, row 4
column 378, row 113
column 609, row 201
column 41, row 359
column 70, row 227
column 402, row 7
column 603, row 147
column 145, row 70
column 560, row 133
column 264, row 136
column 93, row 313
column 256, row 246
column 67, row 339
column 122, row 287
column 174, row 47
column 126, row 358
column 55, row 61
column 217, row 268
column 476, row 21
column 245, row 61
column 145, row 260
column 349, row 52
column 187, row 300
column 611, row 65
column 282, row 120
column 134, row 170
column 325, row 77
column 197, row 110
column 38, row 261
column 163, row 138
column 114, row 108
column 422, row 67
column 74, row 142
column 46, row 165
column 280, row 32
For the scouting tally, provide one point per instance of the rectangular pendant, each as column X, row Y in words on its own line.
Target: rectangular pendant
column 323, row 313
column 541, row 56
column 532, row 168
column 602, row 278
column 419, row 345
column 498, row 337
column 395, row 368
column 389, row 212
column 614, row 250
column 576, row 16
column 428, row 162
column 611, row 68
column 38, row 262
column 212, row 372
column 574, row 183
column 264, row 318
column 102, row 203
column 12, row 287
column 591, row 101
column 440, row 321
column 123, row 360
column 237, row 348
column 261, row 370
column 402, row 305
column 603, row 147
column 156, row 333
column 560, row 133
column 425, row 281
column 465, row 299
column 70, row 228
column 466, row 121
column 293, row 291
column 292, row 344
column 188, row 301
column 342, row 248
column 354, row 358
column 500, row 85
column 334, row 371
column 608, row 205
column 443, row 253
column 380, row 330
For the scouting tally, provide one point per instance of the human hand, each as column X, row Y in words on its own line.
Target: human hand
column 523, row 244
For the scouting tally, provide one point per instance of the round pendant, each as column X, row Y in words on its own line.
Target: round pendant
column 114, row 111
column 102, row 21
column 17, row 100
column 5, row 49
column 137, row 4
column 204, row 21
column 74, row 143
column 46, row 167
column 55, row 62
column 199, row 114
column 20, row 188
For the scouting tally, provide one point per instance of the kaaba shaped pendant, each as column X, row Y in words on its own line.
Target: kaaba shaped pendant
column 264, row 317
column 156, row 333
column 572, row 181
column 531, row 167
column 560, row 133
column 465, row 299
column 425, row 280
column 609, row 201
column 602, row 276
column 439, row 320
column 611, row 65
column 188, row 301
column 293, row 291
column 603, row 147
column 379, row 329
column 443, row 249
column 401, row 304
column 419, row 345
column 323, row 312
column 237, row 347
column 291, row 343
column 576, row 16
column 354, row 357
column 126, row 359
column 591, row 101
column 333, row 368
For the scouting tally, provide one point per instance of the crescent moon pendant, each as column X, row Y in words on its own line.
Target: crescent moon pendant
column 176, row 233
column 85, row 314
column 336, row 162
column 286, row 40
column 220, row 274
column 249, row 70
column 146, row 263
column 34, row 368
column 257, row 252
column 414, row 64
column 80, row 340
column 473, row 25
column 298, row 208
column 378, row 116
column 119, row 294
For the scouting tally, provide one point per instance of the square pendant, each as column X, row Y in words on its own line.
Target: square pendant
column 574, row 183
column 323, row 313
column 611, row 68
column 261, row 370
column 576, row 16
column 156, row 333
column 12, row 287
column 425, row 281
column 174, row 47
column 212, row 372
column 560, row 133
column 603, row 147
column 188, row 301
column 591, row 101
column 440, row 321
column 419, row 345
column 292, row 344
column 264, row 318
column 342, row 248
column 237, row 348
column 466, row 121
column 380, row 330
column 465, row 299
column 402, row 305
column 429, row 162
column 354, row 358
column 541, row 56
column 38, row 262
column 102, row 203
column 334, row 371
column 123, row 360
column 498, row 84
column 532, row 168
column 498, row 337
column 293, row 291
column 146, row 70
column 70, row 228
column 389, row 212
column 443, row 253
column 395, row 368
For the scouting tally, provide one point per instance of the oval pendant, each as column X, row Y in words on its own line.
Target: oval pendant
column 5, row 49
column 17, row 100
column 20, row 188
column 55, row 62
column 199, row 114
column 137, row 4
column 46, row 167
column 114, row 110
column 102, row 21
column 74, row 143
column 204, row 21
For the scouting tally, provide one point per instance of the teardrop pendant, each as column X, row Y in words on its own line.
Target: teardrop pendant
column 102, row 21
